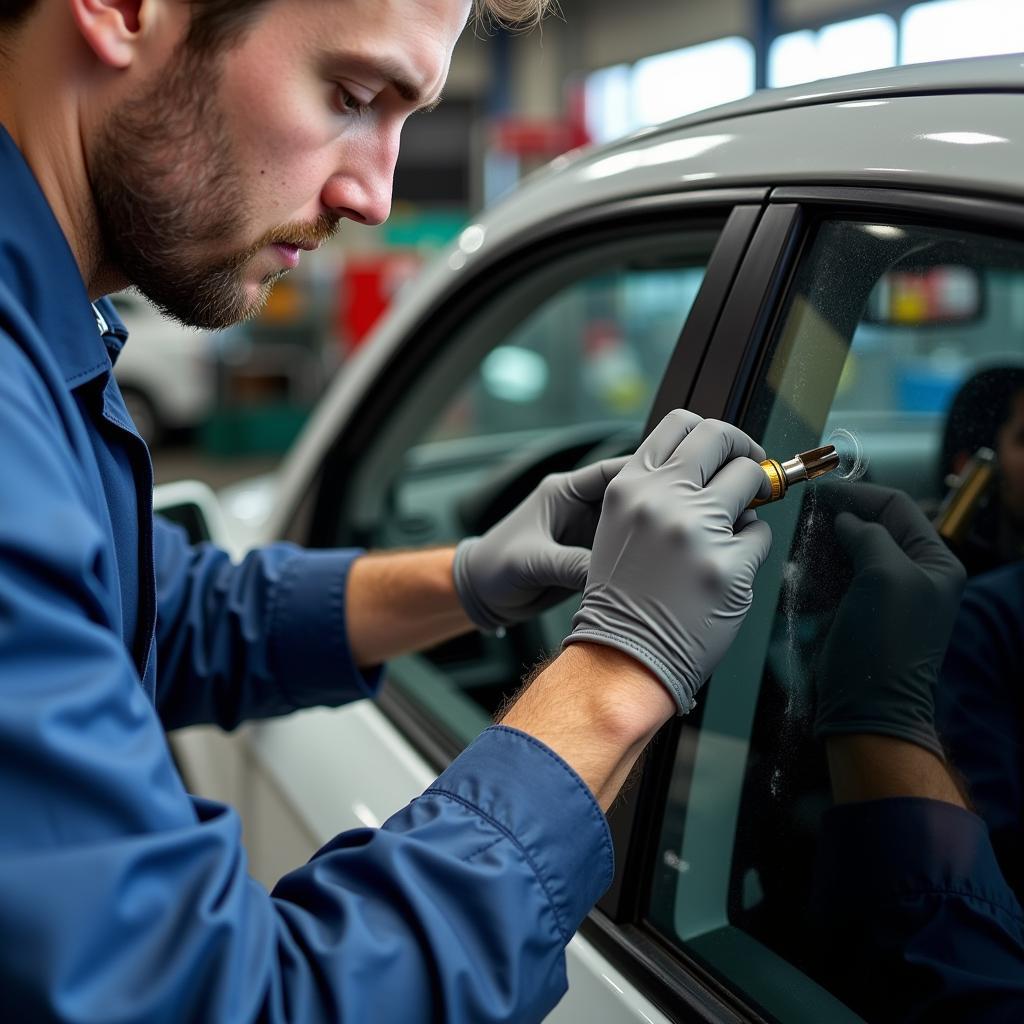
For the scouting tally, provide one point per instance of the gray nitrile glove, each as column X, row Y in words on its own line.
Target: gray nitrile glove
column 883, row 653
column 675, row 553
column 539, row 554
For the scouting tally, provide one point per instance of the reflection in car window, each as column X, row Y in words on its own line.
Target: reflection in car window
column 559, row 369
column 879, row 898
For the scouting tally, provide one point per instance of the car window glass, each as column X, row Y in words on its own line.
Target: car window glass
column 558, row 369
column 903, row 345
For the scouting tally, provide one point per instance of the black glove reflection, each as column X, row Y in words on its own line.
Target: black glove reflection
column 882, row 655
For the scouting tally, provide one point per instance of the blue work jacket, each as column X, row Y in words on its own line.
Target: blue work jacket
column 979, row 708
column 122, row 897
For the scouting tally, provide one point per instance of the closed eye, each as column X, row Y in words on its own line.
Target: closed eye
column 349, row 104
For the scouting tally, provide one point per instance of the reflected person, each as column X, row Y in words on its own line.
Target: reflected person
column 916, row 920
column 987, row 416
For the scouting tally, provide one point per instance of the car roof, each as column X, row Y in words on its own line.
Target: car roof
column 975, row 74
column 955, row 125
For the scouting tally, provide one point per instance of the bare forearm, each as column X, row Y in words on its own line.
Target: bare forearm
column 402, row 601
column 867, row 767
column 597, row 709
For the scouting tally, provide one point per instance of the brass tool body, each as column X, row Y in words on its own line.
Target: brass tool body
column 805, row 466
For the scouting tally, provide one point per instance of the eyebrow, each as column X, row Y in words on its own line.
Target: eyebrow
column 391, row 72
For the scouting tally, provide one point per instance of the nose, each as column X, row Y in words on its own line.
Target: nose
column 360, row 188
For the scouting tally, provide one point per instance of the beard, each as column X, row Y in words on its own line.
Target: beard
column 168, row 191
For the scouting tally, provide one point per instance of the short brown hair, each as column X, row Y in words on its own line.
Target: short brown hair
column 219, row 22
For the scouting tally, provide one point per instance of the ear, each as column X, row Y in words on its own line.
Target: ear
column 110, row 28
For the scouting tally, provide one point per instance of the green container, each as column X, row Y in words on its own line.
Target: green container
column 253, row 430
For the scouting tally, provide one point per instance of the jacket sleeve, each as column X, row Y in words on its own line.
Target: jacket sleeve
column 979, row 708
column 121, row 898
column 252, row 640
column 916, row 921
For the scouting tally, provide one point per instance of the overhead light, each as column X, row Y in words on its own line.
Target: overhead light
column 855, row 104
column 964, row 138
column 886, row 231
column 658, row 153
column 471, row 238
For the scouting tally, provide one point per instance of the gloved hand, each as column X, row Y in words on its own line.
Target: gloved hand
column 883, row 653
column 676, row 553
column 539, row 554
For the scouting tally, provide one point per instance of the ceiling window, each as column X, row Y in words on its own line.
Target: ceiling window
column 946, row 29
column 672, row 84
column 843, row 48
column 667, row 85
column 609, row 103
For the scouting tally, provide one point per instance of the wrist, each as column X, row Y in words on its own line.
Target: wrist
column 876, row 767
column 630, row 700
column 597, row 709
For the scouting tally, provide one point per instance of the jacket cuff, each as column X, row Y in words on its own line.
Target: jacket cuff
column 309, row 647
column 528, row 792
column 880, row 851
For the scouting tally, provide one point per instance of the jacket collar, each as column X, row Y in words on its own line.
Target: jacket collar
column 37, row 265
column 111, row 327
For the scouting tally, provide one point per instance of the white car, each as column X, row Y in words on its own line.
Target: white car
column 838, row 260
column 167, row 373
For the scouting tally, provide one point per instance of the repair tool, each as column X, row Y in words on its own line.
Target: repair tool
column 805, row 466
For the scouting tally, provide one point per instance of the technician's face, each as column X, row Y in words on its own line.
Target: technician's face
column 210, row 182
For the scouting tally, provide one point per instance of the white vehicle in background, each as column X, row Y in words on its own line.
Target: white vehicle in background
column 841, row 256
column 167, row 373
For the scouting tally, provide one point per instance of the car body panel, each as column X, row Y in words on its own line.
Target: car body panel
column 246, row 507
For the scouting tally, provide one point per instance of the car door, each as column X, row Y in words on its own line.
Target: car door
column 892, row 324
column 558, row 350
column 716, row 838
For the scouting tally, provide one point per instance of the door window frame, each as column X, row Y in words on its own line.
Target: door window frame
column 723, row 386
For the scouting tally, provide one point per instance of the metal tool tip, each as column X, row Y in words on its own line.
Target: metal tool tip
column 820, row 461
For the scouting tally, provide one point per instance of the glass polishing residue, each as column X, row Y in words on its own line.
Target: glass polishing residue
column 790, row 652
column 853, row 460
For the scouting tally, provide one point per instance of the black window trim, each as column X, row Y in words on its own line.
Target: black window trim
column 722, row 388
column 674, row 391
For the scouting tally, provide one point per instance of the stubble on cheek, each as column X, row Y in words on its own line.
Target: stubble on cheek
column 170, row 200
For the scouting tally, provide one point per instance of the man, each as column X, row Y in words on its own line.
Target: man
column 192, row 150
